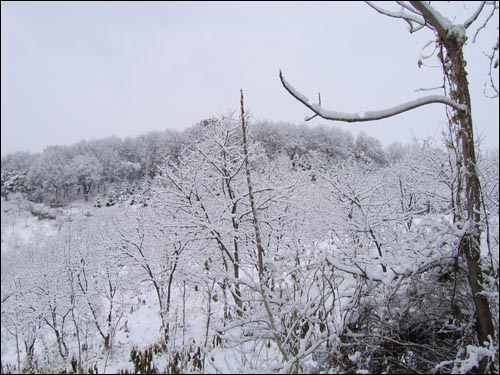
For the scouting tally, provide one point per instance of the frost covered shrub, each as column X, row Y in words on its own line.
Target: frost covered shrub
column 412, row 326
column 41, row 211
column 130, row 193
column 111, row 197
column 418, row 325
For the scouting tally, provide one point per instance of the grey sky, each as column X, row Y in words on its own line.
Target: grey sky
column 72, row 71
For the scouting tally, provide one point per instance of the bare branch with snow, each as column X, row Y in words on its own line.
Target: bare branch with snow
column 488, row 18
column 370, row 115
column 440, row 87
column 493, row 57
column 414, row 18
column 436, row 20
column 476, row 14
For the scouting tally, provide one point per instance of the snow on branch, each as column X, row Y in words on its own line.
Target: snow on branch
column 486, row 21
column 406, row 12
column 377, row 276
column 437, row 21
column 475, row 15
column 370, row 115
column 421, row 13
column 493, row 57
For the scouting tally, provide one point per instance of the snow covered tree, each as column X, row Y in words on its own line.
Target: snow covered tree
column 84, row 171
column 107, row 151
column 145, row 238
column 15, row 168
column 369, row 149
column 20, row 317
column 294, row 288
column 96, row 276
column 47, row 173
column 203, row 192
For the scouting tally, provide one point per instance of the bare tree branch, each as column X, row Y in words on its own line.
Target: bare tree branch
column 493, row 57
column 413, row 17
column 407, row 6
column 258, row 239
column 483, row 26
column 475, row 15
column 371, row 115
column 429, row 55
column 430, row 88
column 438, row 22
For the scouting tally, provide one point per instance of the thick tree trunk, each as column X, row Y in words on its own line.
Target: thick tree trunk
column 470, row 243
column 454, row 69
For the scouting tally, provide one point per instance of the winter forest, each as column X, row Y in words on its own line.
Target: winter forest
column 243, row 246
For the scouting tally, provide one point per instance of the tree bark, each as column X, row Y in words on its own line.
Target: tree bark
column 470, row 243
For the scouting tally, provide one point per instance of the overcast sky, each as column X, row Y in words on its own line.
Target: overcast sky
column 72, row 71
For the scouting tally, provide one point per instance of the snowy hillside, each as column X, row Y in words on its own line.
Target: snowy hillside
column 354, row 268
